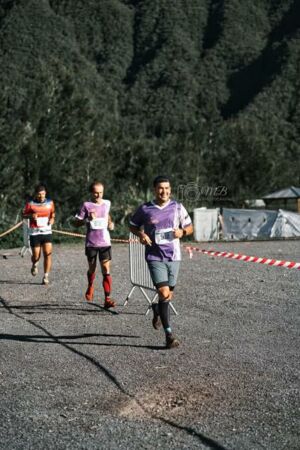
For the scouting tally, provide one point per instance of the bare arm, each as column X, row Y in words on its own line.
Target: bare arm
column 52, row 215
column 29, row 216
column 111, row 224
column 78, row 222
column 52, row 218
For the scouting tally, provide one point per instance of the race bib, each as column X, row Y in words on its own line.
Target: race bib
column 100, row 223
column 42, row 222
column 164, row 236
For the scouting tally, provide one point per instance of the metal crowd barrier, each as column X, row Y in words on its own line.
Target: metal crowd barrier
column 139, row 273
column 26, row 241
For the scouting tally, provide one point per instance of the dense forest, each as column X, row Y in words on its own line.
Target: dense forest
column 206, row 91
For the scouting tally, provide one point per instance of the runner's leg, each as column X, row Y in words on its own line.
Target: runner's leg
column 47, row 251
column 163, row 307
column 107, row 283
column 35, row 257
column 91, row 273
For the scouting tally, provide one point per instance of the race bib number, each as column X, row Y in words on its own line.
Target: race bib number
column 98, row 223
column 164, row 236
column 42, row 222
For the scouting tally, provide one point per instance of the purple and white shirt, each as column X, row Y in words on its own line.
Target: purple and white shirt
column 158, row 223
column 97, row 233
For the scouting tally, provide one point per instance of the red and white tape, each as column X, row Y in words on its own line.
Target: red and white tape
column 240, row 257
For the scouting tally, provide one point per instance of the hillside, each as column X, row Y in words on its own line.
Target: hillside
column 205, row 90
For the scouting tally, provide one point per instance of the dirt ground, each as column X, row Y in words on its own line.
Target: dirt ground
column 74, row 375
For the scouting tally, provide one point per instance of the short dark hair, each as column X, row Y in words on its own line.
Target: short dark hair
column 161, row 179
column 40, row 187
column 95, row 183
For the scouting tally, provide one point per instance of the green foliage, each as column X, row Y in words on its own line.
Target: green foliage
column 121, row 90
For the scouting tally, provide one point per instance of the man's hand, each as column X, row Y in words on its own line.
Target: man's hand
column 92, row 215
column 178, row 233
column 144, row 238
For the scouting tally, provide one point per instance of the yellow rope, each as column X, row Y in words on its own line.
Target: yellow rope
column 11, row 229
column 67, row 233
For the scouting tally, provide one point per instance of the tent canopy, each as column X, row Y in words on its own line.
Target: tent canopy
column 290, row 192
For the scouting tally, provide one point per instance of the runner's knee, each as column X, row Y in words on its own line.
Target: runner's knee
column 105, row 266
column 164, row 293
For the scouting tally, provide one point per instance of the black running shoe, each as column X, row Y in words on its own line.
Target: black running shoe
column 156, row 322
column 171, row 341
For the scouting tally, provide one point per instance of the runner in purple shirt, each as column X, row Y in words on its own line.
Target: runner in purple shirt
column 95, row 214
column 160, row 224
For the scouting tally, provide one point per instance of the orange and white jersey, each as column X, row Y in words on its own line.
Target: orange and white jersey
column 44, row 211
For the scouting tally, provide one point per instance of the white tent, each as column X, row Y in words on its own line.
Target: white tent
column 247, row 223
column 287, row 224
column 206, row 224
column 238, row 224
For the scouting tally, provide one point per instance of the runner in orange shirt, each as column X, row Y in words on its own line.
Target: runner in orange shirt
column 41, row 212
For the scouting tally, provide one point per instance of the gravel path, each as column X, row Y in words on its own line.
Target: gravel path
column 75, row 376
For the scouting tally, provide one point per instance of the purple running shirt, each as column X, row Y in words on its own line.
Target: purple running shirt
column 158, row 223
column 97, row 233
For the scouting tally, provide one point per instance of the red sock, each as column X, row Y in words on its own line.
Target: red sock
column 91, row 278
column 107, row 283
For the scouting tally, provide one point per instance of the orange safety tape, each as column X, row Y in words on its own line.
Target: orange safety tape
column 11, row 229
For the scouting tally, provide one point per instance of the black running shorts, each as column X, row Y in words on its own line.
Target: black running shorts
column 104, row 253
column 39, row 239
